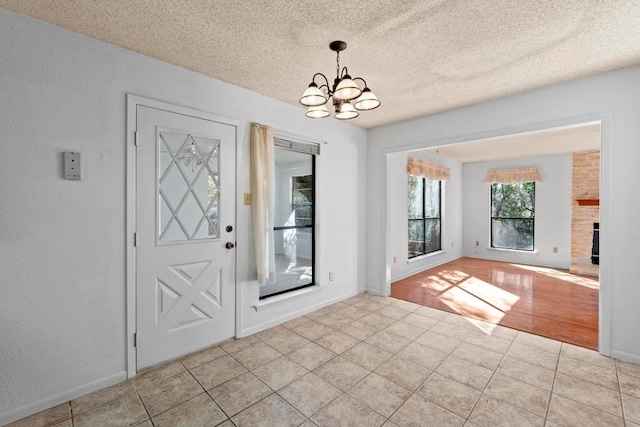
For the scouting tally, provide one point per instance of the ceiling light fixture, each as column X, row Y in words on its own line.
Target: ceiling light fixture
column 344, row 91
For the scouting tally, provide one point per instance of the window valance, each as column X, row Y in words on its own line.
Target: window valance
column 426, row 169
column 505, row 176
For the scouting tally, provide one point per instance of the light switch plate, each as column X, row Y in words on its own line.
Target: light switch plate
column 72, row 165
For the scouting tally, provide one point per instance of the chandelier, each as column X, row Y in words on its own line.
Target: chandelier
column 344, row 91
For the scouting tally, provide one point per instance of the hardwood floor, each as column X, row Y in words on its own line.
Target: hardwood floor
column 540, row 300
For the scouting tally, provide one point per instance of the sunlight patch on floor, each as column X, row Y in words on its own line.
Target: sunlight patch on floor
column 587, row 282
column 481, row 303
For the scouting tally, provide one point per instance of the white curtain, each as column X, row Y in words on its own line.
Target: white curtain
column 262, row 184
column 426, row 169
column 506, row 176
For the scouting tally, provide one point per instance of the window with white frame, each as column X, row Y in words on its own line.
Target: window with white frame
column 424, row 216
column 513, row 215
column 294, row 218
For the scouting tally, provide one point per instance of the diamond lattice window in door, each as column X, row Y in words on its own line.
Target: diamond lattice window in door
column 188, row 187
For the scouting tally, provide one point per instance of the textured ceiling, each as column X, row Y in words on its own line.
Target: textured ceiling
column 419, row 57
column 530, row 144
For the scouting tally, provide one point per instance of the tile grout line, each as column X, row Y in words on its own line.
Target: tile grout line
column 414, row 392
column 203, row 388
column 393, row 354
column 553, row 385
column 489, row 381
column 345, row 392
column 624, row 418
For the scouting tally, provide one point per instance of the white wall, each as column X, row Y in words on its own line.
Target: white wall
column 62, row 243
column 451, row 212
column 611, row 98
column 552, row 224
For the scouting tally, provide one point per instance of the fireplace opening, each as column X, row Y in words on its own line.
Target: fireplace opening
column 595, row 247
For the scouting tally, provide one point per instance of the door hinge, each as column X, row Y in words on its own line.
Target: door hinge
column 135, row 239
column 135, row 139
column 135, row 339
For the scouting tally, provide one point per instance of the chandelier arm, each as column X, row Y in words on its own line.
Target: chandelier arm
column 360, row 78
column 325, row 89
column 326, row 82
column 323, row 76
column 344, row 73
column 328, row 90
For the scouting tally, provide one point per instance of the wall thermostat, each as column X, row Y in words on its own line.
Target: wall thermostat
column 72, row 165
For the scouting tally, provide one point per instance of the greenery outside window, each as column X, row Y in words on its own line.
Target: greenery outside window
column 302, row 201
column 512, row 215
column 424, row 216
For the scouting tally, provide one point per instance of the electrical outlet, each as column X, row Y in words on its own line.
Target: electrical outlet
column 555, row 249
column 395, row 259
column 247, row 198
column 331, row 276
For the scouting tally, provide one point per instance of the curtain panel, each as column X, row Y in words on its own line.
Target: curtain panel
column 426, row 169
column 506, row 176
column 262, row 185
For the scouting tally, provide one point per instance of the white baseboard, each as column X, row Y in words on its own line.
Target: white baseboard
column 422, row 268
column 625, row 357
column 289, row 316
column 518, row 261
column 373, row 291
column 50, row 402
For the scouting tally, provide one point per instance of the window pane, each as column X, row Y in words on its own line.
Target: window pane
column 302, row 199
column 294, row 263
column 512, row 215
column 424, row 212
column 514, row 200
column 432, row 235
column 432, row 198
column 293, row 188
column 294, row 222
column 512, row 233
column 416, row 237
column 415, row 193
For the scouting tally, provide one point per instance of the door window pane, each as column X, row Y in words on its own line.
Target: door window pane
column 188, row 187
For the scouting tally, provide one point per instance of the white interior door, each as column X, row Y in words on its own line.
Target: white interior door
column 185, row 224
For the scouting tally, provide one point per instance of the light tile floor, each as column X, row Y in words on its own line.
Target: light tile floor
column 371, row 361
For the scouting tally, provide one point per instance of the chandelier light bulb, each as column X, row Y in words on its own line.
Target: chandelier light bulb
column 347, row 89
column 346, row 112
column 317, row 112
column 313, row 96
column 367, row 101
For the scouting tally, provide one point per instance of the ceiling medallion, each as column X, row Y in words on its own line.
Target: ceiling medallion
column 344, row 91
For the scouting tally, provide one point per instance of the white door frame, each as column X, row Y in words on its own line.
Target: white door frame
column 606, row 166
column 132, row 104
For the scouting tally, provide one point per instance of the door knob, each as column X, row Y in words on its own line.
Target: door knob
column 229, row 245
